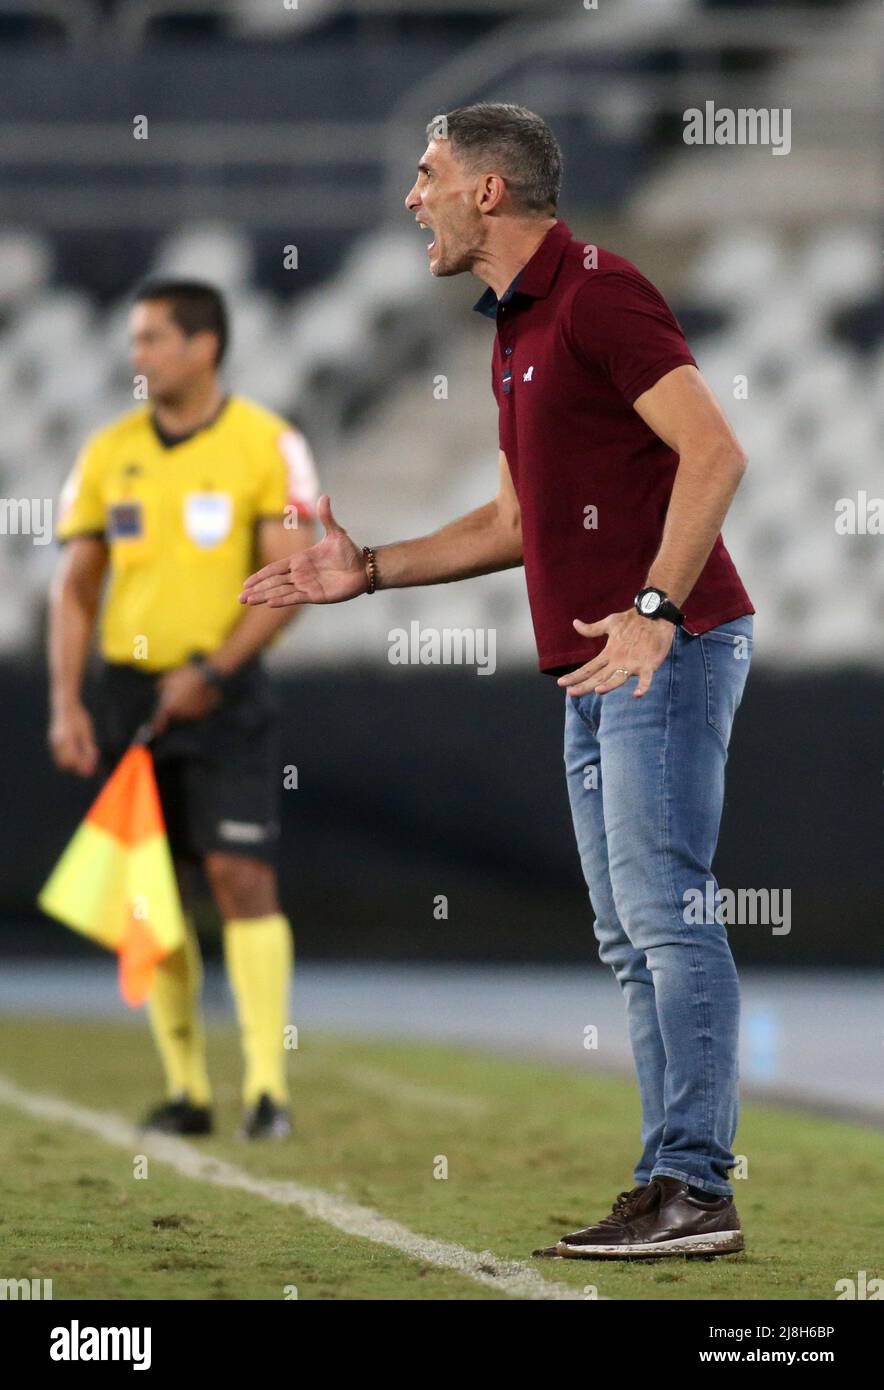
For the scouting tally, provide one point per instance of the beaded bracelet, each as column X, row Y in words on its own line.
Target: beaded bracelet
column 368, row 555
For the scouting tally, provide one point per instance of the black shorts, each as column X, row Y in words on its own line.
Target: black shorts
column 218, row 777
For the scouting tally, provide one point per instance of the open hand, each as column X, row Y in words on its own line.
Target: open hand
column 331, row 571
column 635, row 644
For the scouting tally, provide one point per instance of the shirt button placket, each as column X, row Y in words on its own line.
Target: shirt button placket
column 507, row 375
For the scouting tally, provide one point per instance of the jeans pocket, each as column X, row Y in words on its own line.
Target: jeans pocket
column 727, row 653
column 586, row 708
column 737, row 632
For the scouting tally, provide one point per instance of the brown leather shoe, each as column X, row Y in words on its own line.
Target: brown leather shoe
column 621, row 1201
column 662, row 1219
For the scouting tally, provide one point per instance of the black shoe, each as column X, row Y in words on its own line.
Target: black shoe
column 267, row 1120
column 179, row 1116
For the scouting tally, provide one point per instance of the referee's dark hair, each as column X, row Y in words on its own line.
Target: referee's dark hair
column 196, row 307
column 518, row 140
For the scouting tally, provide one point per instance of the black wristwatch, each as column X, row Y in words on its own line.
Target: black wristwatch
column 209, row 673
column 653, row 603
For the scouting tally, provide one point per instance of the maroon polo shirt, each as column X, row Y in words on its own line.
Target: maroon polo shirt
column 576, row 345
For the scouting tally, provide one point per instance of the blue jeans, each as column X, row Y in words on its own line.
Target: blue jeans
column 646, row 783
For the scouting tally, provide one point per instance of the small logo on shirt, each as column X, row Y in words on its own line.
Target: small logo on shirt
column 529, row 375
column 208, row 517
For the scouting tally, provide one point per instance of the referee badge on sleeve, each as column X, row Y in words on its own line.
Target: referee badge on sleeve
column 208, row 517
column 125, row 520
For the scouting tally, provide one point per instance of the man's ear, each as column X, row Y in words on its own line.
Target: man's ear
column 205, row 344
column 492, row 192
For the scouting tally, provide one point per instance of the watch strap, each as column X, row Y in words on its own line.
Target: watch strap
column 669, row 611
column 209, row 673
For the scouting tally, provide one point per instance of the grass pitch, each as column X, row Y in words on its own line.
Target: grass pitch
column 532, row 1150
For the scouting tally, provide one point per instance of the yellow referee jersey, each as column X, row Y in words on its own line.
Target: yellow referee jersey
column 179, row 521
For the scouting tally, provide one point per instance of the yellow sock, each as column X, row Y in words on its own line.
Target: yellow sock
column 259, row 955
column 174, row 1013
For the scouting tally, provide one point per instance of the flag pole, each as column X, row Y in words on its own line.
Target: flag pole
column 145, row 733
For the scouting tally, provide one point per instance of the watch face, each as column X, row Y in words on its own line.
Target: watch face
column 650, row 603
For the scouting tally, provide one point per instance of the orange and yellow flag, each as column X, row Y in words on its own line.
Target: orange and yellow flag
column 116, row 883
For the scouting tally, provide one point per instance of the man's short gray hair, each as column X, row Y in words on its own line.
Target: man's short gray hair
column 513, row 139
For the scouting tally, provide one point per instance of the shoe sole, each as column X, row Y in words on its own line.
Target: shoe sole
column 171, row 1129
column 277, row 1134
column 715, row 1243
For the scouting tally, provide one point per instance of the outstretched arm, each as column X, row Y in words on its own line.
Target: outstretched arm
column 485, row 540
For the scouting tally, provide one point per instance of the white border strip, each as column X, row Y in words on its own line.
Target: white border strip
column 508, row 1276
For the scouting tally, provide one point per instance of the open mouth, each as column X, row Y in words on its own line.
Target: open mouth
column 427, row 228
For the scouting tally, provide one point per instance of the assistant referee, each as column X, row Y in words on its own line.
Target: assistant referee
column 171, row 504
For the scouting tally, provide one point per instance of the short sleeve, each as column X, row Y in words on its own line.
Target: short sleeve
column 622, row 324
column 291, row 478
column 81, row 506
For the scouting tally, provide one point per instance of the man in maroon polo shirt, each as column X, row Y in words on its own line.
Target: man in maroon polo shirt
column 617, row 467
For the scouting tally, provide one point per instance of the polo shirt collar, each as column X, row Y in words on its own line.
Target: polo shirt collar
column 536, row 275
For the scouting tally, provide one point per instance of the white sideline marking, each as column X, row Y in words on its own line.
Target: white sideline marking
column 408, row 1093
column 509, row 1276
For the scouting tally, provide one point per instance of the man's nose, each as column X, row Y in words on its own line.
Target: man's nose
column 409, row 199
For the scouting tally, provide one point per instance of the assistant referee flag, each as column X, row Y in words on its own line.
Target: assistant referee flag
column 115, row 882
